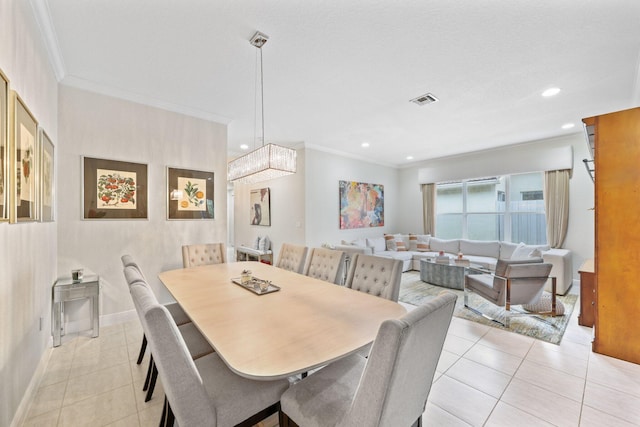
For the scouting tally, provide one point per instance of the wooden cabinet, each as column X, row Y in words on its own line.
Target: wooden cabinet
column 587, row 294
column 617, row 234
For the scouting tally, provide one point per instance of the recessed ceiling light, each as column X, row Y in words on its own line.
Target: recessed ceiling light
column 567, row 126
column 244, row 147
column 365, row 145
column 409, row 157
column 552, row 91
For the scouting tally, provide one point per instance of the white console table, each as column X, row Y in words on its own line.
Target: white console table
column 245, row 253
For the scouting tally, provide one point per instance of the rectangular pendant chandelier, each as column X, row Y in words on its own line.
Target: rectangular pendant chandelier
column 267, row 162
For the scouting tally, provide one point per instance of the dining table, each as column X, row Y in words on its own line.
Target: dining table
column 305, row 323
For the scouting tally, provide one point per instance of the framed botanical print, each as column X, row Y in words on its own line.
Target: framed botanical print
column 4, row 147
column 46, row 178
column 189, row 194
column 260, row 201
column 114, row 189
column 24, row 161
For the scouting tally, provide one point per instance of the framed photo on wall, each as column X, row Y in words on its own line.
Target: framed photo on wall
column 361, row 205
column 114, row 189
column 260, row 201
column 47, row 175
column 189, row 194
column 24, row 152
column 4, row 147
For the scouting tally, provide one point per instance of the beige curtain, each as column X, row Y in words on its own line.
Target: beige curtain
column 556, row 206
column 429, row 208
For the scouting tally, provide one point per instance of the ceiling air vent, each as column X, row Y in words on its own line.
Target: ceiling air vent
column 425, row 99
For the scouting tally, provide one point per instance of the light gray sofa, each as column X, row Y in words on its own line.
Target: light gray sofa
column 483, row 253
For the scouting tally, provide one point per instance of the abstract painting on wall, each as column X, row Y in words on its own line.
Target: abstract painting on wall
column 361, row 205
column 260, row 201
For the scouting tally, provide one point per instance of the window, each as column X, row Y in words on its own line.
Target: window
column 507, row 208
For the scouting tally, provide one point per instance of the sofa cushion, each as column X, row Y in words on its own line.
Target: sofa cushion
column 362, row 242
column 377, row 244
column 484, row 261
column 488, row 248
column 390, row 242
column 521, row 252
column 506, row 249
column 450, row 246
column 400, row 246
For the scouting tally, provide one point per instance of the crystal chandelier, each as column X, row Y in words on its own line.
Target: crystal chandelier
column 269, row 161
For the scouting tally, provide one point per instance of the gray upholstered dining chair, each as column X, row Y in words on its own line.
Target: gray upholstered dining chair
column 178, row 314
column 383, row 390
column 143, row 298
column 205, row 392
column 203, row 254
column 292, row 257
column 514, row 282
column 326, row 264
column 375, row 275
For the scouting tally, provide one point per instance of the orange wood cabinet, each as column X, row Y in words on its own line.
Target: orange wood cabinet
column 617, row 234
column 587, row 294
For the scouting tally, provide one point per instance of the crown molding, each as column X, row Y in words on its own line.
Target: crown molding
column 79, row 83
column 349, row 155
column 48, row 32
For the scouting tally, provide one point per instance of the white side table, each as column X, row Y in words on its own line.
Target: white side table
column 65, row 289
column 244, row 253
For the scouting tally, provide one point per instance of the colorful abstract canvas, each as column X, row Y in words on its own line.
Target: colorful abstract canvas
column 361, row 205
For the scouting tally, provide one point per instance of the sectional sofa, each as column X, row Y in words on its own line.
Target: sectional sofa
column 484, row 253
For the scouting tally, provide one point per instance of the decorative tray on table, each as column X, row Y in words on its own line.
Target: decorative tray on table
column 257, row 286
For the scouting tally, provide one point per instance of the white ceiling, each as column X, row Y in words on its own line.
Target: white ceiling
column 338, row 73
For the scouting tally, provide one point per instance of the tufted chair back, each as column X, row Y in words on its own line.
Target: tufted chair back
column 375, row 275
column 326, row 264
column 210, row 253
column 292, row 257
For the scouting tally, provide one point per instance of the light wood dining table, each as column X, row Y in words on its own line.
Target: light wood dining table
column 306, row 324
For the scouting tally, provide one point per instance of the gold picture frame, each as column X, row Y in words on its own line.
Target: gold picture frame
column 47, row 178
column 4, row 148
column 24, row 162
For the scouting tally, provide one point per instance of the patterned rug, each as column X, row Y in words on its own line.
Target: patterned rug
column 414, row 291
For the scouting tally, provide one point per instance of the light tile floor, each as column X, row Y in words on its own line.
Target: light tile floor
column 485, row 377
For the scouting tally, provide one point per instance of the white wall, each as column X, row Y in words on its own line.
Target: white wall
column 324, row 171
column 580, row 235
column 287, row 210
column 27, row 250
column 98, row 126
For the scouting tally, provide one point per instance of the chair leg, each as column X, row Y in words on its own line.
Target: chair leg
column 149, row 371
column 152, row 383
column 143, row 348
column 163, row 418
column 285, row 421
column 418, row 422
column 171, row 419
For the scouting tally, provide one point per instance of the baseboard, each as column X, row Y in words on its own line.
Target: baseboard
column 32, row 389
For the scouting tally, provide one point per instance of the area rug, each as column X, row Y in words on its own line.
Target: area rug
column 414, row 291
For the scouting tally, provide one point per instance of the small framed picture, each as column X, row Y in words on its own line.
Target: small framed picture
column 189, row 194
column 47, row 176
column 114, row 189
column 4, row 147
column 260, row 201
column 24, row 152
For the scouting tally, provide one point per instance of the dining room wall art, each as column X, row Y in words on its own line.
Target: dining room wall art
column 114, row 189
column 47, row 176
column 4, row 148
column 260, row 202
column 189, row 194
column 24, row 158
column 361, row 205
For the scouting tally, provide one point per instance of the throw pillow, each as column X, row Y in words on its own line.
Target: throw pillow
column 536, row 253
column 422, row 247
column 413, row 242
column 256, row 243
column 400, row 245
column 521, row 252
column 264, row 244
column 390, row 242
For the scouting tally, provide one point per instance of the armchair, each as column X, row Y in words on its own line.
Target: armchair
column 515, row 282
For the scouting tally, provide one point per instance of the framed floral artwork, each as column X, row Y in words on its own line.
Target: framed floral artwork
column 24, row 161
column 4, row 147
column 189, row 194
column 114, row 189
column 46, row 178
column 361, row 205
column 260, row 201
